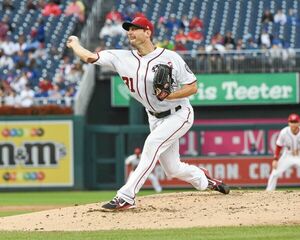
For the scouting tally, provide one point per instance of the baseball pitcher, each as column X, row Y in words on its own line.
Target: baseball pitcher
column 162, row 82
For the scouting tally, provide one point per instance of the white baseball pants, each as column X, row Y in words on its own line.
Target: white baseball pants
column 163, row 144
column 284, row 163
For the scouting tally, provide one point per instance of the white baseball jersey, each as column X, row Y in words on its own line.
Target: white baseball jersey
column 137, row 72
column 162, row 143
column 290, row 156
column 289, row 141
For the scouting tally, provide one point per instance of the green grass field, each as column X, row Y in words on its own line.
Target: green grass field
column 69, row 198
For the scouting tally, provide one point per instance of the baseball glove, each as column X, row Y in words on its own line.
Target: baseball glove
column 162, row 81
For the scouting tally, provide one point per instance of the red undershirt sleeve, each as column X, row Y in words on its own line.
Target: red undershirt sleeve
column 277, row 152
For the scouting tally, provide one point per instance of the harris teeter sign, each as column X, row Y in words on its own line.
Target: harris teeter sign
column 243, row 89
column 231, row 89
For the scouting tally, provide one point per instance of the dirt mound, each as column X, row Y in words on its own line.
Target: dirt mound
column 175, row 210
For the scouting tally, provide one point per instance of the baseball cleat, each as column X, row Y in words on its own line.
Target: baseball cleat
column 118, row 204
column 215, row 184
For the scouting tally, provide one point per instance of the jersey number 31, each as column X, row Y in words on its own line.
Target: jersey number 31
column 129, row 82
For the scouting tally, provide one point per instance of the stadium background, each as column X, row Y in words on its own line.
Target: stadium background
column 233, row 137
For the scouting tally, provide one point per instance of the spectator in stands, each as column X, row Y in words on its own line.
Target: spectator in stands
column 276, row 52
column 195, row 35
column 8, row 46
column 133, row 6
column 185, row 23
column 265, row 39
column 280, row 17
column 229, row 42
column 218, row 38
column 38, row 33
column 131, row 10
column 59, row 80
column 108, row 30
column 172, row 23
column 267, row 16
column 6, row 61
column 251, row 44
column 69, row 95
column 41, row 4
column 40, row 55
column 5, row 27
column 32, row 69
column 75, row 75
column 55, row 92
column 73, row 8
column 239, row 56
column 114, row 15
column 196, row 23
column 215, row 47
column 21, row 44
column 181, row 36
column 277, row 41
column 19, row 82
column 66, row 66
column 293, row 18
column 240, row 44
column 7, row 5
column 215, row 50
column 111, row 30
column 166, row 44
column 44, row 86
column 31, row 5
column 27, row 96
column 180, row 46
column 51, row 8
column 11, row 98
column 19, row 59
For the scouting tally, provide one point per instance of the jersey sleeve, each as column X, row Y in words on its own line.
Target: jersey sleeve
column 280, row 139
column 183, row 73
column 106, row 58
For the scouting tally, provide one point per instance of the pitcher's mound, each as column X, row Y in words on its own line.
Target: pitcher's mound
column 175, row 210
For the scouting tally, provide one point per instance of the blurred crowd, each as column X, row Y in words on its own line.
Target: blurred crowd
column 22, row 84
column 217, row 52
column 192, row 31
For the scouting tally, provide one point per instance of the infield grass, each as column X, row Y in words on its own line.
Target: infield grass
column 224, row 233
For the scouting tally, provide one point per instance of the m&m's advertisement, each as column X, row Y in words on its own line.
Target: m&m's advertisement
column 36, row 154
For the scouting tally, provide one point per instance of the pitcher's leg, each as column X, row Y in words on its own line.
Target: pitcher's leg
column 159, row 140
column 173, row 167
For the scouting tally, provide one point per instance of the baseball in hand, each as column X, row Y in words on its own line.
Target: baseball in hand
column 72, row 40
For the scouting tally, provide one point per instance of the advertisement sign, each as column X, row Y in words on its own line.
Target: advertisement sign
column 36, row 154
column 243, row 89
column 231, row 142
column 237, row 171
column 231, row 89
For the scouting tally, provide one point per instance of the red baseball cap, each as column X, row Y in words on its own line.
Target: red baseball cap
column 140, row 22
column 293, row 118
